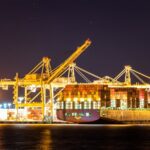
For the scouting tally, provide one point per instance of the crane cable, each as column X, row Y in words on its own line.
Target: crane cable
column 82, row 75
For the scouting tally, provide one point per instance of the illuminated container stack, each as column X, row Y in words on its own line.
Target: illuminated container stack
column 126, row 98
column 118, row 98
column 79, row 94
column 86, row 102
column 137, row 98
column 79, row 103
column 105, row 96
column 133, row 98
column 128, row 104
column 144, row 98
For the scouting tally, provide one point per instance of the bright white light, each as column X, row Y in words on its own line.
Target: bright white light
column 82, row 99
column 75, row 99
column 89, row 99
column 20, row 99
column 68, row 99
column 32, row 88
column 87, row 114
column 5, row 105
column 9, row 105
column 3, row 115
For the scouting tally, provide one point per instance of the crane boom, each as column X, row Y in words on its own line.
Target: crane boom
column 69, row 60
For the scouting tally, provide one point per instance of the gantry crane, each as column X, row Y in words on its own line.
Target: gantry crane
column 63, row 66
column 70, row 60
column 40, row 77
column 41, row 80
column 127, row 72
column 31, row 82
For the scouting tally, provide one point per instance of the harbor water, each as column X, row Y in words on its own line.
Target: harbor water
column 74, row 137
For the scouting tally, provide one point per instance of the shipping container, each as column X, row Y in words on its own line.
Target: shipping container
column 117, row 103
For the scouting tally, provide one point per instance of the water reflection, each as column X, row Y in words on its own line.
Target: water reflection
column 24, row 137
column 45, row 140
column 69, row 137
column 1, row 139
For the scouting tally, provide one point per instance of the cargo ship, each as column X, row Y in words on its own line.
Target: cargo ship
column 81, row 103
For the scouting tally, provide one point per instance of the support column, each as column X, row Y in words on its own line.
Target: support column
column 43, row 99
column 51, row 102
column 26, row 99
column 15, row 97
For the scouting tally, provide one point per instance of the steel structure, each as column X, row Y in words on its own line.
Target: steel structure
column 39, row 83
column 128, row 71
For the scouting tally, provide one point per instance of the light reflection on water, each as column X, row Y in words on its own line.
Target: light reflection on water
column 46, row 140
column 74, row 136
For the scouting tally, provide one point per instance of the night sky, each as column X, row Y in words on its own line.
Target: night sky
column 32, row 29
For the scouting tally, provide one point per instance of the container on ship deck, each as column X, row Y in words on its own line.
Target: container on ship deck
column 129, row 102
column 141, row 94
column 148, row 96
column 108, row 103
column 133, row 103
column 103, row 103
column 137, row 103
column 105, row 95
column 131, row 98
column 145, row 103
column 117, row 102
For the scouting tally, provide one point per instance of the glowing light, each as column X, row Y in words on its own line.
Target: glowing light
column 20, row 99
column 25, row 112
column 32, row 88
column 68, row 99
column 89, row 99
column 5, row 105
column 87, row 114
column 3, row 115
column 75, row 99
column 82, row 99
column 9, row 105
